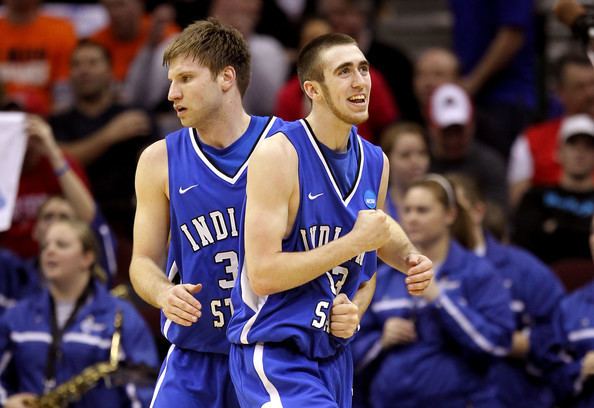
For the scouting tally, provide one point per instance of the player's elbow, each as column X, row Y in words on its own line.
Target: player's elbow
column 260, row 284
column 260, row 280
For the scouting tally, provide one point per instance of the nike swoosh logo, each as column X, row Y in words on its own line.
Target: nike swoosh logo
column 185, row 190
column 313, row 197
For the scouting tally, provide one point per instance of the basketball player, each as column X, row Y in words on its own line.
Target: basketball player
column 310, row 237
column 191, row 187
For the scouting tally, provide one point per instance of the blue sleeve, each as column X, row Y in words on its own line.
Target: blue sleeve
column 553, row 352
column 365, row 345
column 107, row 245
column 542, row 290
column 139, row 346
column 517, row 13
column 5, row 355
column 479, row 319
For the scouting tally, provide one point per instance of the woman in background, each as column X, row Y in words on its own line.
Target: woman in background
column 56, row 334
column 438, row 348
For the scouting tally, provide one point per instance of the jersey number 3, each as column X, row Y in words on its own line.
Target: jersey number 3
column 231, row 262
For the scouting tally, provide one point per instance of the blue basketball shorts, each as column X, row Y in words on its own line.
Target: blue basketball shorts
column 274, row 375
column 193, row 379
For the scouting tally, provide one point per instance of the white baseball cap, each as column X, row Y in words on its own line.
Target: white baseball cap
column 581, row 124
column 450, row 105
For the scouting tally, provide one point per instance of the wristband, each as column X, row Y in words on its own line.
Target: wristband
column 62, row 170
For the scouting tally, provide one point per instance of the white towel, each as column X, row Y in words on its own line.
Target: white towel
column 13, row 144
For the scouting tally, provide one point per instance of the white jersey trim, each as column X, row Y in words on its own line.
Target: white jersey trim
column 583, row 334
column 275, row 401
column 469, row 329
column 251, row 300
column 23, row 337
column 312, row 140
column 162, row 376
column 217, row 172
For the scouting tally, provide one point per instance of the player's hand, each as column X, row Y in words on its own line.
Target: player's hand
column 344, row 317
column 398, row 331
column 179, row 305
column 588, row 364
column 419, row 274
column 372, row 229
column 22, row 400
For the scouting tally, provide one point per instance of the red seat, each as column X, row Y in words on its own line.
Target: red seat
column 574, row 272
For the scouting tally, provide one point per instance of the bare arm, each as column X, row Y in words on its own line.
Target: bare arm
column 502, row 49
column 399, row 252
column 151, row 228
column 270, row 213
column 124, row 126
column 72, row 186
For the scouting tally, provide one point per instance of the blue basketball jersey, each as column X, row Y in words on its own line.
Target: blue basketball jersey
column 205, row 205
column 301, row 315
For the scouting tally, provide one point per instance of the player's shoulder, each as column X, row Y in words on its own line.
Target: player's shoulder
column 276, row 149
column 153, row 162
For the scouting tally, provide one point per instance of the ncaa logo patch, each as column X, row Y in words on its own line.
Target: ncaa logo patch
column 370, row 199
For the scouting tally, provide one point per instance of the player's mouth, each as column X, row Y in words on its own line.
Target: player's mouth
column 179, row 109
column 359, row 99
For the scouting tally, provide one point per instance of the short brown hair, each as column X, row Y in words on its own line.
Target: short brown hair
column 308, row 65
column 393, row 132
column 215, row 46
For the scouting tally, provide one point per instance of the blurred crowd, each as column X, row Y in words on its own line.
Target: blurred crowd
column 494, row 186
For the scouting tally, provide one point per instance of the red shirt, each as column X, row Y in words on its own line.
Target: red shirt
column 36, row 185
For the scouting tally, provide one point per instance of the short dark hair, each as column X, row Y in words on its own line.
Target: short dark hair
column 215, row 46
column 86, row 42
column 571, row 58
column 308, row 65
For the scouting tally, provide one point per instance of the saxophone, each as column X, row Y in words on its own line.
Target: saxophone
column 76, row 386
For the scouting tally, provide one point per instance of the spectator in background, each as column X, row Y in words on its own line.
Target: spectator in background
column 21, row 277
column 136, row 42
column 553, row 221
column 535, row 293
column 453, row 145
column 74, row 316
column 355, row 18
column 566, row 346
column 46, row 171
column 438, row 346
column 34, row 52
column 533, row 160
column 434, row 67
column 292, row 104
column 103, row 135
column 270, row 63
column 406, row 147
column 494, row 41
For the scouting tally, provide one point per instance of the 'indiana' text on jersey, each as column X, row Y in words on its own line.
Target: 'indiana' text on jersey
column 205, row 204
column 300, row 316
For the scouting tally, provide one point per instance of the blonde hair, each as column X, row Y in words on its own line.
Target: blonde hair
column 215, row 46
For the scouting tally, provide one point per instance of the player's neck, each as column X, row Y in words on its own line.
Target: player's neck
column 224, row 129
column 329, row 130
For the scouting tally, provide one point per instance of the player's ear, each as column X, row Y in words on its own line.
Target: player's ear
column 227, row 78
column 311, row 89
